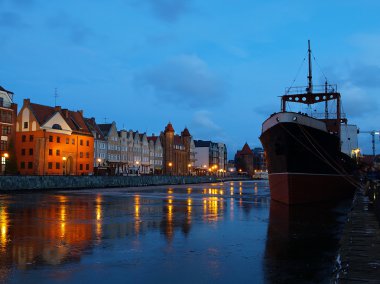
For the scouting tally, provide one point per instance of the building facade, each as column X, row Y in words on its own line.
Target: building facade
column 155, row 155
column 176, row 151
column 210, row 157
column 8, row 116
column 53, row 141
column 244, row 160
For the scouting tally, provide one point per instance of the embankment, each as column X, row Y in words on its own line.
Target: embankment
column 18, row 183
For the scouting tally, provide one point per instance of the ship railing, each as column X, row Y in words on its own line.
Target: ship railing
column 327, row 88
column 322, row 115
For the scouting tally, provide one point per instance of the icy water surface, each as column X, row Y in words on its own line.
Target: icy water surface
column 210, row 233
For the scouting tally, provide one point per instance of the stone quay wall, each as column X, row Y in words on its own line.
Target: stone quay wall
column 18, row 183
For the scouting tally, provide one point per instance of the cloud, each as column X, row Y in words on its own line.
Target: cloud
column 185, row 80
column 11, row 20
column 365, row 76
column 76, row 31
column 357, row 102
column 204, row 127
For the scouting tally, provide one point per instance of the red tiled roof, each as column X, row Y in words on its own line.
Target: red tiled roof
column 74, row 119
column 178, row 140
column 152, row 138
column 246, row 150
column 185, row 132
column 93, row 126
column 169, row 127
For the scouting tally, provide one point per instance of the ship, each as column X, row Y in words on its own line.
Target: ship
column 303, row 150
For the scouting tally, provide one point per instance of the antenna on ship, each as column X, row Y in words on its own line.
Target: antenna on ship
column 310, row 76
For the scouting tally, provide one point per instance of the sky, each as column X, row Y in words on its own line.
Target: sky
column 217, row 67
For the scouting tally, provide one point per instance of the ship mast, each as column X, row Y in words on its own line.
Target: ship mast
column 310, row 76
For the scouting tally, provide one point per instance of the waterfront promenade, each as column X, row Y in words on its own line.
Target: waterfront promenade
column 358, row 260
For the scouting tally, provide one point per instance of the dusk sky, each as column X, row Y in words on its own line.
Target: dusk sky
column 216, row 67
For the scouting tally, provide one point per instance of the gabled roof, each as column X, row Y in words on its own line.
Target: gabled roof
column 91, row 123
column 105, row 128
column 185, row 132
column 74, row 119
column 245, row 151
column 4, row 90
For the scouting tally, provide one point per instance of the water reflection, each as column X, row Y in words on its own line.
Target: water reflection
column 302, row 241
column 53, row 230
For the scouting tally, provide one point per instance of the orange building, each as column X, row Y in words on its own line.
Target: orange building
column 53, row 141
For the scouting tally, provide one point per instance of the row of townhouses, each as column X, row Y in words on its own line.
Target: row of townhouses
column 45, row 140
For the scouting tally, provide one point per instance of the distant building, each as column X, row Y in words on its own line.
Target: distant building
column 100, row 143
column 244, row 160
column 349, row 138
column 53, row 141
column 176, row 151
column 210, row 157
column 111, row 136
column 155, row 154
column 8, row 116
column 259, row 162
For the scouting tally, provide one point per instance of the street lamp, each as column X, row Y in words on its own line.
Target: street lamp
column 138, row 166
column 4, row 161
column 189, row 167
column 170, row 167
column 64, row 159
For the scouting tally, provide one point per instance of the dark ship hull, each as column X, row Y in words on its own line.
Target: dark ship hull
column 304, row 160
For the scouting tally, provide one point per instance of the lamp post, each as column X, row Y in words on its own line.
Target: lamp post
column 189, row 168
column 138, row 167
column 4, row 162
column 64, row 159
column 170, row 167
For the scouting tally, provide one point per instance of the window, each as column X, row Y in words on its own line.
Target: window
column 58, row 139
column 57, row 152
column 57, row 166
column 81, row 155
column 30, row 165
column 50, row 165
column 6, row 130
column 22, row 152
column 3, row 145
column 23, row 138
column 87, row 143
column 50, row 138
column 26, row 124
column 22, row 165
column 50, row 152
column 81, row 142
column 31, row 137
column 87, row 155
column 81, row 167
column 87, row 167
column 73, row 141
column 67, row 140
column 31, row 152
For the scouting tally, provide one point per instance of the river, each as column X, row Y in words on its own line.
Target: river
column 209, row 233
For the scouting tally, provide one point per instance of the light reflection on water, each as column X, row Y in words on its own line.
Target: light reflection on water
column 199, row 233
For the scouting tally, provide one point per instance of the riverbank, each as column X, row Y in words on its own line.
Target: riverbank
column 358, row 259
column 21, row 183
